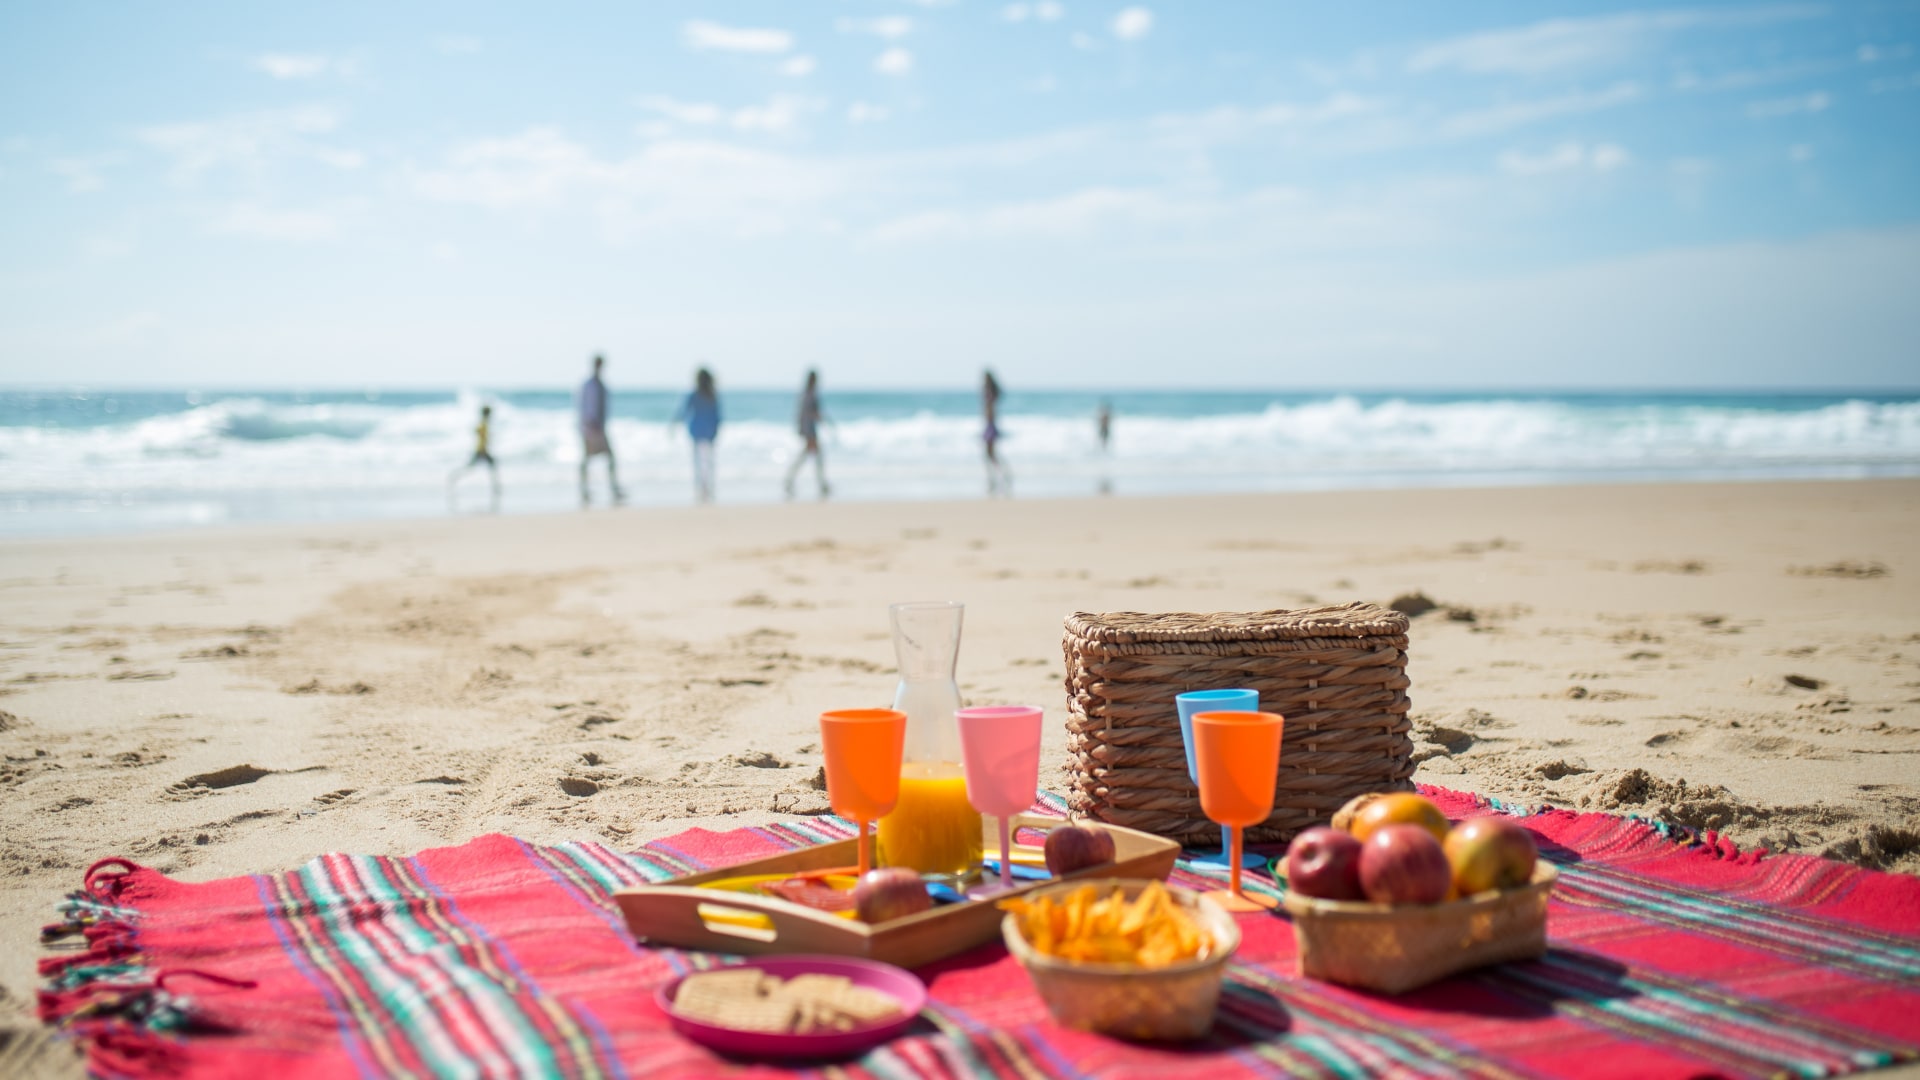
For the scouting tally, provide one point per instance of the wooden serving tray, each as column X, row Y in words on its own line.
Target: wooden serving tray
column 680, row 914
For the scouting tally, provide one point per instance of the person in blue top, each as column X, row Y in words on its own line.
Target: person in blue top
column 701, row 411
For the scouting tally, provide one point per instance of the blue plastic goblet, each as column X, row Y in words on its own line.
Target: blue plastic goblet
column 1199, row 701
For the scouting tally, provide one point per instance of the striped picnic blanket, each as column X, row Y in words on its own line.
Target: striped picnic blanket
column 1671, row 956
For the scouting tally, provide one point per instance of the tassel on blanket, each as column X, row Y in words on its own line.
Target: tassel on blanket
column 107, row 986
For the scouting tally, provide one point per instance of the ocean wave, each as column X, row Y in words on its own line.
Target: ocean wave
column 253, row 443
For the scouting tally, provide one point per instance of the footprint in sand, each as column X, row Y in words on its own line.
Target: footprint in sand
column 231, row 776
column 578, row 787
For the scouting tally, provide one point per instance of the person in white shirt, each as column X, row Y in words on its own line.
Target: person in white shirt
column 593, row 432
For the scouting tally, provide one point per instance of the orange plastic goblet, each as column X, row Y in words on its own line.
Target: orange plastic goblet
column 1238, row 754
column 862, row 748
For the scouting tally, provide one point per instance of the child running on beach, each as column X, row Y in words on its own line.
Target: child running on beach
column 701, row 411
column 807, row 421
column 481, row 456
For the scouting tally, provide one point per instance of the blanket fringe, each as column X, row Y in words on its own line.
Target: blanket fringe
column 106, row 994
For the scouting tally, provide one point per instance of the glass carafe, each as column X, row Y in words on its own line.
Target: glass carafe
column 933, row 828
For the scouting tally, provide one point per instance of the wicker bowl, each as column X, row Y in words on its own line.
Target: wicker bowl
column 1172, row 1003
column 1396, row 948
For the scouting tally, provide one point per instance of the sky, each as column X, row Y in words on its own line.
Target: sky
column 899, row 192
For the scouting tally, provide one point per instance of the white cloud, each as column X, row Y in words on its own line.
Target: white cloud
column 81, row 174
column 252, row 219
column 1817, row 101
column 1509, row 115
column 861, row 112
column 1606, row 157
column 798, row 66
column 1233, row 121
column 686, row 112
column 1909, row 81
column 292, row 65
column 891, row 27
column 1600, row 157
column 1044, row 11
column 1800, row 152
column 458, row 44
column 672, row 184
column 1132, row 24
column 1559, row 44
column 894, row 61
column 1085, row 41
column 249, row 141
column 700, row 34
column 781, row 113
column 1274, row 217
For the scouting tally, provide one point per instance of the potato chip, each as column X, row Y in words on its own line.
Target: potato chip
column 1151, row 930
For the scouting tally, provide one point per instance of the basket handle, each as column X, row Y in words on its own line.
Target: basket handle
column 694, row 918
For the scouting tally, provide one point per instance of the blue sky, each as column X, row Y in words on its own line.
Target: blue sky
column 1077, row 193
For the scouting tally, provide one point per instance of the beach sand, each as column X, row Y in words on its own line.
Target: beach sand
column 1744, row 657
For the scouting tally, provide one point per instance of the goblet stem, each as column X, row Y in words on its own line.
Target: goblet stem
column 866, row 849
column 1006, row 855
column 1233, row 863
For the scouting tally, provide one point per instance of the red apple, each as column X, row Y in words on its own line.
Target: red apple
column 1325, row 863
column 1072, row 848
column 890, row 892
column 1490, row 853
column 1404, row 864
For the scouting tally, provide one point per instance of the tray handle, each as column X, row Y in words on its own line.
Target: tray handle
column 730, row 922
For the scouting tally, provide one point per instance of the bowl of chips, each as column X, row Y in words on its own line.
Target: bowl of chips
column 794, row 1007
column 1136, row 959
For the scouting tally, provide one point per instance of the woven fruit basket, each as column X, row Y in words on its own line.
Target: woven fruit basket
column 1338, row 674
column 1396, row 948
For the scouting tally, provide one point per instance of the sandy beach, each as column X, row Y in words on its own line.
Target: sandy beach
column 1743, row 657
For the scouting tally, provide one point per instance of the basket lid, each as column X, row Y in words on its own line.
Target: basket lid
column 1357, row 619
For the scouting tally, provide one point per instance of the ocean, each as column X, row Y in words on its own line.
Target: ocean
column 80, row 461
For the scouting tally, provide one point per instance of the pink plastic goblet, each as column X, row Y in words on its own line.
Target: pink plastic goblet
column 1000, row 752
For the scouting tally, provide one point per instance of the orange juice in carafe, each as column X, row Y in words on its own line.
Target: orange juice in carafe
column 932, row 828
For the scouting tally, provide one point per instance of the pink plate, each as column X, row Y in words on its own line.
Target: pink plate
column 899, row 984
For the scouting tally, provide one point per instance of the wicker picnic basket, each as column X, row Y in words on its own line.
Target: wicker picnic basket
column 1338, row 674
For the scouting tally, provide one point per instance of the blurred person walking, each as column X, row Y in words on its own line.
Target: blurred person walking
column 1103, row 427
column 999, row 477
column 701, row 411
column 593, row 433
column 481, row 456
column 807, row 421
